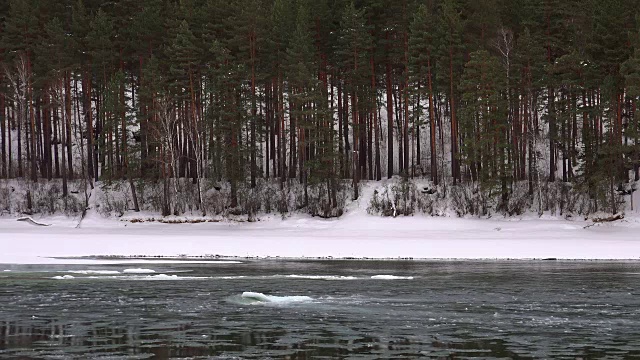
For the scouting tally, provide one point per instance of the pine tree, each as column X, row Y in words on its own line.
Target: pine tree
column 630, row 69
column 423, row 47
column 529, row 62
column 354, row 44
column 452, row 25
column 484, row 123
column 20, row 39
column 185, row 74
column 102, row 60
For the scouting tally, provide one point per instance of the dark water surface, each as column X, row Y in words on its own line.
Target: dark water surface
column 326, row 310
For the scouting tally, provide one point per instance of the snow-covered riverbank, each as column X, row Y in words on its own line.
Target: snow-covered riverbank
column 355, row 235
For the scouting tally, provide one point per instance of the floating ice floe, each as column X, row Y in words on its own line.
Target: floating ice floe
column 94, row 272
column 293, row 276
column 138, row 271
column 322, row 277
column 159, row 277
column 391, row 277
column 64, row 277
column 257, row 298
column 163, row 277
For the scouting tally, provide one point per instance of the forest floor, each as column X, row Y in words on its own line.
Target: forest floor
column 354, row 235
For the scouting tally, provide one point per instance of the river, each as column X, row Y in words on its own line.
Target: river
column 284, row 309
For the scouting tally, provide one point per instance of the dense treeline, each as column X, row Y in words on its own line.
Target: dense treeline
column 489, row 94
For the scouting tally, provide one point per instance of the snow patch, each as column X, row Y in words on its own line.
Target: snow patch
column 356, row 235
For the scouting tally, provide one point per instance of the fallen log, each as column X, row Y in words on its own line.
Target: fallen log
column 615, row 217
column 32, row 222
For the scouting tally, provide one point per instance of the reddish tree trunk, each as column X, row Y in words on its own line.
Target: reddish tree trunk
column 432, row 123
column 454, row 123
column 389, row 112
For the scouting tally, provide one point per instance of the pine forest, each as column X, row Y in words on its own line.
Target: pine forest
column 248, row 106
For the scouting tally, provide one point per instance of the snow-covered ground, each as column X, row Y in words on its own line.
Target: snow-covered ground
column 356, row 235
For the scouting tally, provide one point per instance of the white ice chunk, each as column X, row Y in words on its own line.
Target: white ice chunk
column 94, row 272
column 391, row 277
column 138, row 271
column 262, row 298
column 64, row 277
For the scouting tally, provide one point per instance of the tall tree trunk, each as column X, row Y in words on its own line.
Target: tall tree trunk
column 454, row 123
column 134, row 195
column 282, row 137
column 3, row 130
column 60, row 109
column 32, row 119
column 46, row 126
column 405, row 96
column 552, row 136
column 622, row 174
column 390, row 167
column 20, row 121
column 123, row 124
column 341, row 150
column 57, row 136
column 399, row 120
column 292, row 140
column 376, row 128
column 254, row 110
column 10, row 119
column 273, row 127
column 432, row 125
column 267, row 129
column 345, row 132
column 69, row 144
column 92, row 168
